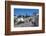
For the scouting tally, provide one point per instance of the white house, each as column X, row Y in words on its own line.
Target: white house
column 20, row 19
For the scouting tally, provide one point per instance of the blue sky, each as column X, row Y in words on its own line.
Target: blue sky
column 21, row 11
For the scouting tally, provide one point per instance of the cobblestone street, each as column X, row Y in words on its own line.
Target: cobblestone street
column 24, row 25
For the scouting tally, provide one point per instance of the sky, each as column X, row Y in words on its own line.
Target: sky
column 22, row 11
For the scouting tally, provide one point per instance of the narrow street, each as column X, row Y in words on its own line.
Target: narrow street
column 24, row 25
